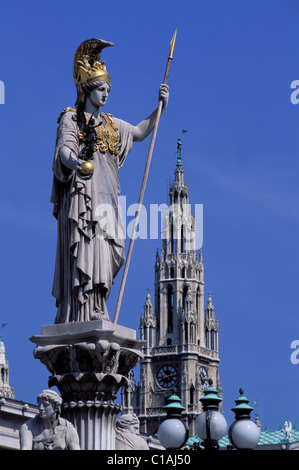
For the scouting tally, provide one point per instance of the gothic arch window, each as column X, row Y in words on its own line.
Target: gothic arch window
column 207, row 339
column 182, row 200
column 197, row 299
column 170, row 308
column 172, row 272
column 171, row 237
column 182, row 239
column 212, row 340
column 183, row 272
column 169, row 342
column 186, row 332
column 185, row 291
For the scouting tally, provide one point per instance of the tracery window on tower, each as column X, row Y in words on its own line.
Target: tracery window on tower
column 166, row 272
column 212, row 339
column 175, row 197
column 172, row 245
column 186, row 332
column 182, row 200
column 185, row 292
column 197, row 299
column 170, row 308
column 207, row 339
column 182, row 239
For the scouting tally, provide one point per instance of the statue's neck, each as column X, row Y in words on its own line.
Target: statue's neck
column 50, row 423
column 90, row 108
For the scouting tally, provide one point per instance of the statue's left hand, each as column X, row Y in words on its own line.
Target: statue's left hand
column 84, row 177
column 164, row 95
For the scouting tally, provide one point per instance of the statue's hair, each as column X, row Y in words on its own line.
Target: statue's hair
column 126, row 420
column 51, row 396
column 88, row 87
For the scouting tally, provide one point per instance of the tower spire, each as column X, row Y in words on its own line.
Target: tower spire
column 179, row 170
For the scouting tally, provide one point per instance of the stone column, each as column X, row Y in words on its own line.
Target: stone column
column 89, row 362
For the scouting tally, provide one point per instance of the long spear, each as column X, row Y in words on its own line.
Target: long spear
column 144, row 180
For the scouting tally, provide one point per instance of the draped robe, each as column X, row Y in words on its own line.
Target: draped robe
column 90, row 235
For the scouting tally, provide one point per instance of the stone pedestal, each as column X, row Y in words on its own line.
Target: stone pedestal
column 89, row 363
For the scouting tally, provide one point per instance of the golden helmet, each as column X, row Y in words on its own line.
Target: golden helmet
column 87, row 65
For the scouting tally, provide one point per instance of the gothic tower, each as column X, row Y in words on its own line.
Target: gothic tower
column 181, row 335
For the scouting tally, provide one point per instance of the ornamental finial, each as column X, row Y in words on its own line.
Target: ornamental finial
column 2, row 326
column 179, row 153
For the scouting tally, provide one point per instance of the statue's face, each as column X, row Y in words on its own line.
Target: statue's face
column 135, row 428
column 46, row 408
column 99, row 95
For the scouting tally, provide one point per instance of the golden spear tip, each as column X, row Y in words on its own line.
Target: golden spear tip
column 172, row 45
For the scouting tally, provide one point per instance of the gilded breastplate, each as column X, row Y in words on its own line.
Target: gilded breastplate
column 107, row 136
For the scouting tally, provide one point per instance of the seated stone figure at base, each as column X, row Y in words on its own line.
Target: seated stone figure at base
column 127, row 434
column 47, row 430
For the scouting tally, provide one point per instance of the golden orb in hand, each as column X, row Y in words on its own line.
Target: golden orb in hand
column 86, row 168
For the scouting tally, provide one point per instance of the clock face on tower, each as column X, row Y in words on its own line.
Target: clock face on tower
column 203, row 376
column 167, row 376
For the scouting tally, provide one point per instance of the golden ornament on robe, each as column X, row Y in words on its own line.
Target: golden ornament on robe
column 86, row 168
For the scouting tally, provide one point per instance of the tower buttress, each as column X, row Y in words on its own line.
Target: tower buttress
column 211, row 326
column 148, row 323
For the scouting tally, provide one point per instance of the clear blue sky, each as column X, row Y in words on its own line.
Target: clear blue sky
column 230, row 87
